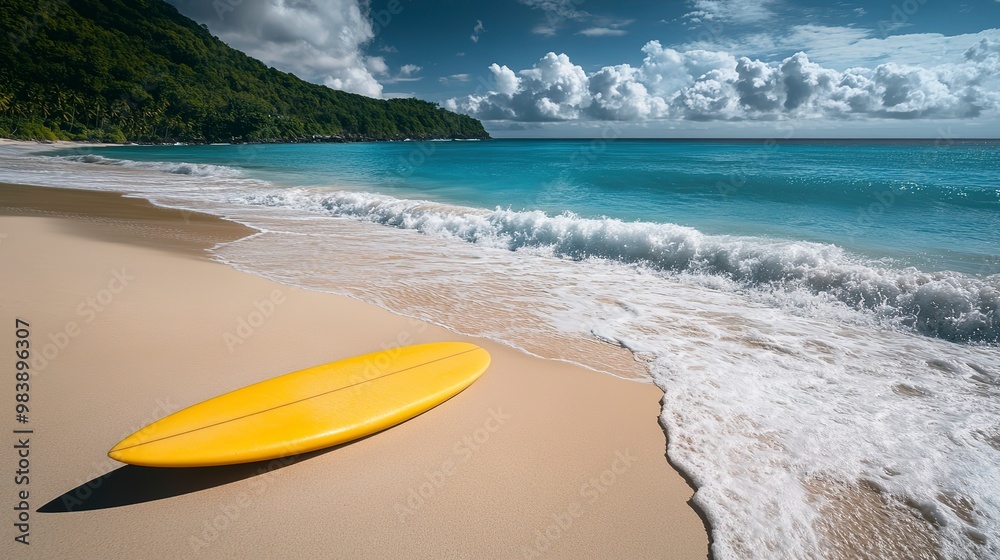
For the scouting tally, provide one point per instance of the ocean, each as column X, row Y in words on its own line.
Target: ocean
column 823, row 316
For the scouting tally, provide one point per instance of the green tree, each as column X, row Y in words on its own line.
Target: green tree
column 138, row 70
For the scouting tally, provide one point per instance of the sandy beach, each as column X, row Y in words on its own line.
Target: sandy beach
column 130, row 320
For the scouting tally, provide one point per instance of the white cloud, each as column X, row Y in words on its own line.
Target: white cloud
column 454, row 78
column 355, row 80
column 320, row 42
column 557, row 88
column 554, row 89
column 556, row 13
column 376, row 65
column 617, row 93
column 601, row 32
column 407, row 73
column 730, row 11
column 409, row 69
column 843, row 47
column 610, row 29
column 702, row 85
column 821, row 41
column 917, row 49
column 563, row 9
column 507, row 82
column 477, row 31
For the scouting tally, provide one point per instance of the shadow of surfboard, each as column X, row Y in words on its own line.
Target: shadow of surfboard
column 130, row 485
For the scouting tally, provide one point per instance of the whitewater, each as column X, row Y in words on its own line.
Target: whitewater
column 811, row 371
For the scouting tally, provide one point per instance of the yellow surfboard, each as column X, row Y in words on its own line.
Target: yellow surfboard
column 308, row 410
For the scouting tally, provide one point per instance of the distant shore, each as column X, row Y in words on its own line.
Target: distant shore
column 312, row 140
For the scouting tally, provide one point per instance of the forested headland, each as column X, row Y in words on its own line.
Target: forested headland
column 139, row 71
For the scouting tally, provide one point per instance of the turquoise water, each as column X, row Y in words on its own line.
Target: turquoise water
column 817, row 313
column 930, row 204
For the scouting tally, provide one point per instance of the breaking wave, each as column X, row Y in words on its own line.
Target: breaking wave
column 948, row 305
column 178, row 168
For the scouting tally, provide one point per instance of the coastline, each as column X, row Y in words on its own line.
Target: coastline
column 537, row 459
column 318, row 139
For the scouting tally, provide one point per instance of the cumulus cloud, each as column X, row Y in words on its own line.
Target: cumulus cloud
column 706, row 85
column 507, row 82
column 319, row 41
column 554, row 89
column 617, row 93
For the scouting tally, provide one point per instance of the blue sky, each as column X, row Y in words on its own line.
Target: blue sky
column 638, row 68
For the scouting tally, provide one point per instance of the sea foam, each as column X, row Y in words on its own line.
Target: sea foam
column 946, row 304
column 786, row 365
column 178, row 168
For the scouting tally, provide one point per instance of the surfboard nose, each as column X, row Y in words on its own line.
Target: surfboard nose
column 122, row 451
column 126, row 454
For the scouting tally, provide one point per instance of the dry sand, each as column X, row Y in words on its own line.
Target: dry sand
column 130, row 321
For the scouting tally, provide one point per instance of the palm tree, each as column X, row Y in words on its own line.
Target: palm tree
column 57, row 105
column 75, row 100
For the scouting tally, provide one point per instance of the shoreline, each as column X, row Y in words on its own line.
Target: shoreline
column 157, row 347
column 315, row 140
column 750, row 139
